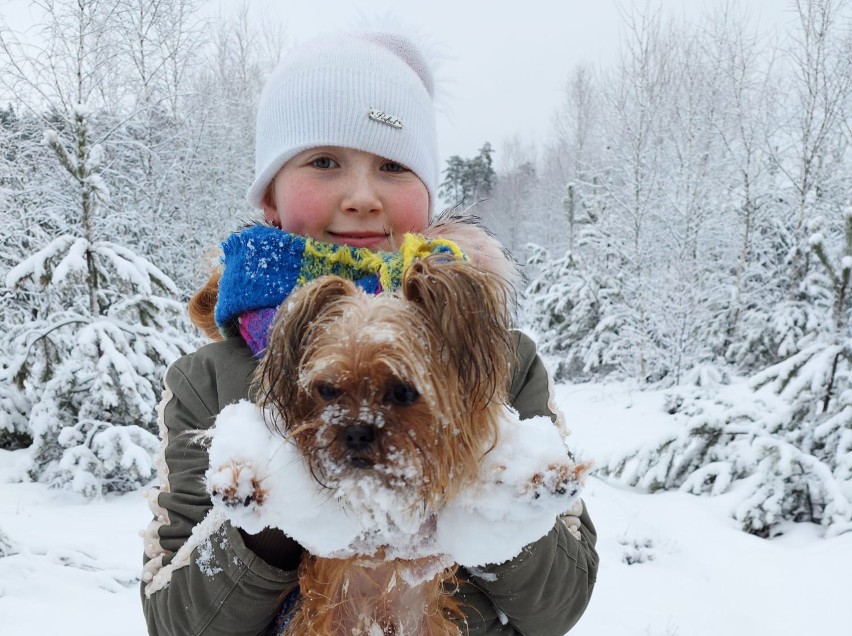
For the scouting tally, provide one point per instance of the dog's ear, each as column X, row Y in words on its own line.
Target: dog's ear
column 277, row 375
column 469, row 308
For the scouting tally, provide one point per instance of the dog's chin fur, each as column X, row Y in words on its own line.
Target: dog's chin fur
column 399, row 393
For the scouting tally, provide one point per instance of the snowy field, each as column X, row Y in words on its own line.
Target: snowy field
column 73, row 565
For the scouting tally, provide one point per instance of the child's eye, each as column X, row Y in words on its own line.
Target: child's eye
column 393, row 166
column 324, row 163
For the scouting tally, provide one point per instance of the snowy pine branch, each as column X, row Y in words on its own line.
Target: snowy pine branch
column 66, row 249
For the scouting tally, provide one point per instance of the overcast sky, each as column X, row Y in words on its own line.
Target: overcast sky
column 503, row 63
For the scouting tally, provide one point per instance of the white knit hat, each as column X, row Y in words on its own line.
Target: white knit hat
column 371, row 92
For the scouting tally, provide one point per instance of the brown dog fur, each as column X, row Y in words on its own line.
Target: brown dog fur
column 422, row 376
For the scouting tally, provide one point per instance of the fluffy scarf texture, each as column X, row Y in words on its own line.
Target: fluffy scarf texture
column 262, row 265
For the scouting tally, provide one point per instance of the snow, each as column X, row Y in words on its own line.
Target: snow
column 75, row 564
column 36, row 265
column 490, row 521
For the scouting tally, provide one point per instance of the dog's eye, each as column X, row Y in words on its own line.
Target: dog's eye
column 327, row 391
column 403, row 394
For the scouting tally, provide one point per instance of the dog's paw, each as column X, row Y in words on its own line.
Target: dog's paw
column 557, row 480
column 236, row 484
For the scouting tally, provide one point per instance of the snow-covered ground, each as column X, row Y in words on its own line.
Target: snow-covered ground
column 73, row 565
column 704, row 576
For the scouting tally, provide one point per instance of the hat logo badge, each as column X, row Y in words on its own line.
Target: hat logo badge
column 385, row 118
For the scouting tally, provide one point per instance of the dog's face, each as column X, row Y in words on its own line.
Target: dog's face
column 402, row 389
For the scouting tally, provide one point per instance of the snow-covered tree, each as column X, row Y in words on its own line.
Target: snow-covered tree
column 577, row 314
column 808, row 154
column 466, row 181
column 100, row 324
column 812, row 462
column 792, row 444
column 93, row 360
column 576, row 127
column 14, row 417
column 714, row 240
column 510, row 208
column 217, row 160
column 746, row 191
column 821, row 83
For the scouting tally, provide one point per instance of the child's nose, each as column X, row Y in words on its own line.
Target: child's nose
column 362, row 194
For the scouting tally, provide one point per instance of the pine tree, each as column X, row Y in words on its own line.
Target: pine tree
column 90, row 363
column 808, row 471
column 792, row 446
column 576, row 317
column 14, row 418
column 149, row 153
column 466, row 181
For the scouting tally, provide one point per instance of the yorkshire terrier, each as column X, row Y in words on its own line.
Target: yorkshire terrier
column 405, row 391
column 391, row 395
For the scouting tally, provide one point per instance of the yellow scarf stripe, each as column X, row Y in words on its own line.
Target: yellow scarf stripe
column 413, row 248
column 353, row 263
column 328, row 258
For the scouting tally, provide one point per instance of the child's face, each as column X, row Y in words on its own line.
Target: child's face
column 341, row 195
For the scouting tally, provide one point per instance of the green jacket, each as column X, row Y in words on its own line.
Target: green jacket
column 228, row 589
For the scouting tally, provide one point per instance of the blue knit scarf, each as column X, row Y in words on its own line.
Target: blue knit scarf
column 262, row 265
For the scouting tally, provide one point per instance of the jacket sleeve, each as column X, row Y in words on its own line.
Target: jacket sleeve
column 221, row 586
column 544, row 590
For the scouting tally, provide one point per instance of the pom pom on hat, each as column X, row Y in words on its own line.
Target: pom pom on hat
column 370, row 91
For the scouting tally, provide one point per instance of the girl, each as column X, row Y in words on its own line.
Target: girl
column 346, row 154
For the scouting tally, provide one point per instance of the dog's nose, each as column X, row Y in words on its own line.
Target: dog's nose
column 357, row 437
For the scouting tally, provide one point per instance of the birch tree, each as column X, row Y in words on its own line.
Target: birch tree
column 821, row 82
column 635, row 168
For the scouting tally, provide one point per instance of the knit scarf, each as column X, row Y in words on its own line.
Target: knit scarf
column 262, row 265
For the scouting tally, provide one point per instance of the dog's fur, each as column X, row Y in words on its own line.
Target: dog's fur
column 401, row 389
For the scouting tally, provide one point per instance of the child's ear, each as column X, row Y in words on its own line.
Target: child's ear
column 270, row 211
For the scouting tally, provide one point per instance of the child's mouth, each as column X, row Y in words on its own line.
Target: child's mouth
column 358, row 239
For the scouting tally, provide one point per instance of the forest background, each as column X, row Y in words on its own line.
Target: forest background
column 688, row 224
